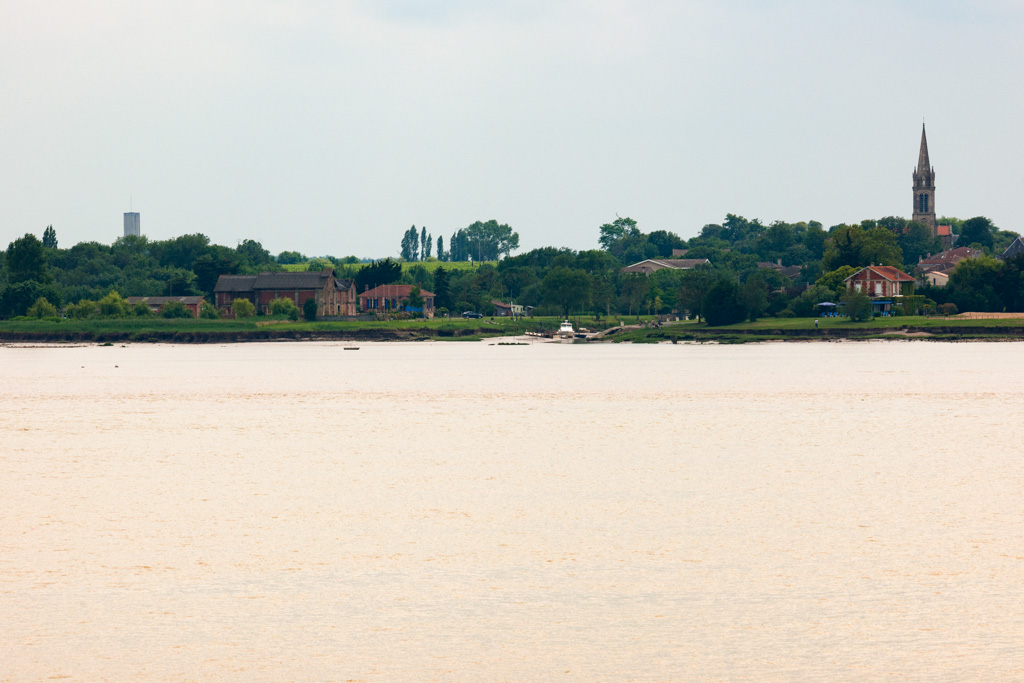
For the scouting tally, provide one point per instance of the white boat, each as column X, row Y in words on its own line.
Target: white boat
column 565, row 330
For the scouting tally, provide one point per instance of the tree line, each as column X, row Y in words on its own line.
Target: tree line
column 755, row 270
column 480, row 241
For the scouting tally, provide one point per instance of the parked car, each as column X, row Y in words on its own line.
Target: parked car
column 472, row 314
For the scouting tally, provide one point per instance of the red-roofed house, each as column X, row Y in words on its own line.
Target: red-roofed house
column 394, row 298
column 947, row 260
column 882, row 284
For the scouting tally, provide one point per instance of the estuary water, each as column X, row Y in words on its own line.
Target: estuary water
column 478, row 512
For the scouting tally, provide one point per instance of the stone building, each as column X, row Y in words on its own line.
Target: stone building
column 333, row 297
column 924, row 188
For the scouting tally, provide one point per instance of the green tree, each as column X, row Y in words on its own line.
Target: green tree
column 857, row 306
column 174, row 309
column 50, row 237
column 442, row 288
column 972, row 284
column 309, row 309
column 488, row 241
column 814, row 240
column 142, row 310
column 879, row 246
column 243, row 308
column 852, row 245
column 694, row 286
column 26, row 260
column 754, row 296
column 282, row 306
column 424, row 247
column 416, row 299
column 836, row 279
column 722, row 305
column 252, row 256
column 208, row 311
column 180, row 281
column 977, row 230
column 410, row 244
column 84, row 309
column 383, row 272
column 805, row 305
column 665, row 242
column 916, row 242
column 112, row 305
column 290, row 257
column 633, row 288
column 567, row 288
column 42, row 309
column 182, row 251
column 618, row 229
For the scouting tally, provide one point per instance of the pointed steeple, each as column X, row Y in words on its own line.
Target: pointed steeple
column 922, row 157
column 924, row 187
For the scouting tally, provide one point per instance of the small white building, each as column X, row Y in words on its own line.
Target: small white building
column 936, row 278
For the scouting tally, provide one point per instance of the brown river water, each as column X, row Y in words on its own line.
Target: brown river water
column 476, row 512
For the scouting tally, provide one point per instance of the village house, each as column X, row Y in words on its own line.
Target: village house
column 263, row 288
column 947, row 260
column 503, row 310
column 347, row 298
column 786, row 271
column 648, row 266
column 1015, row 250
column 882, row 284
column 385, row 299
column 936, row 278
column 192, row 304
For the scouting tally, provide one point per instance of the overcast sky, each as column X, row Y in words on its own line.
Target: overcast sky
column 331, row 126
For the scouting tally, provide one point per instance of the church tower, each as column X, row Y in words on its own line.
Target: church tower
column 924, row 187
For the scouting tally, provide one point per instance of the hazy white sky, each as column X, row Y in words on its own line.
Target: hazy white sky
column 330, row 127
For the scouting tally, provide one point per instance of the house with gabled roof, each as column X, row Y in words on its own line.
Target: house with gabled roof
column 193, row 304
column 1015, row 250
column 648, row 266
column 263, row 288
column 946, row 260
column 386, row 299
column 882, row 283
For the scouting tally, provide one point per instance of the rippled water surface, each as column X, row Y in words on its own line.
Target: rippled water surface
column 475, row 512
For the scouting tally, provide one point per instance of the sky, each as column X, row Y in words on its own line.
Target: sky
column 330, row 126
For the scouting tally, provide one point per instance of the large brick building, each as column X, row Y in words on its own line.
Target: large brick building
column 393, row 299
column 333, row 297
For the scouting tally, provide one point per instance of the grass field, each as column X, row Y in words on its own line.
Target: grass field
column 430, row 266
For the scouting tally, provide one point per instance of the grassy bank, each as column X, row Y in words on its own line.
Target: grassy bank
column 460, row 329
column 804, row 329
column 254, row 329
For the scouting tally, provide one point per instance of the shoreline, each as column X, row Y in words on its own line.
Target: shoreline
column 667, row 334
